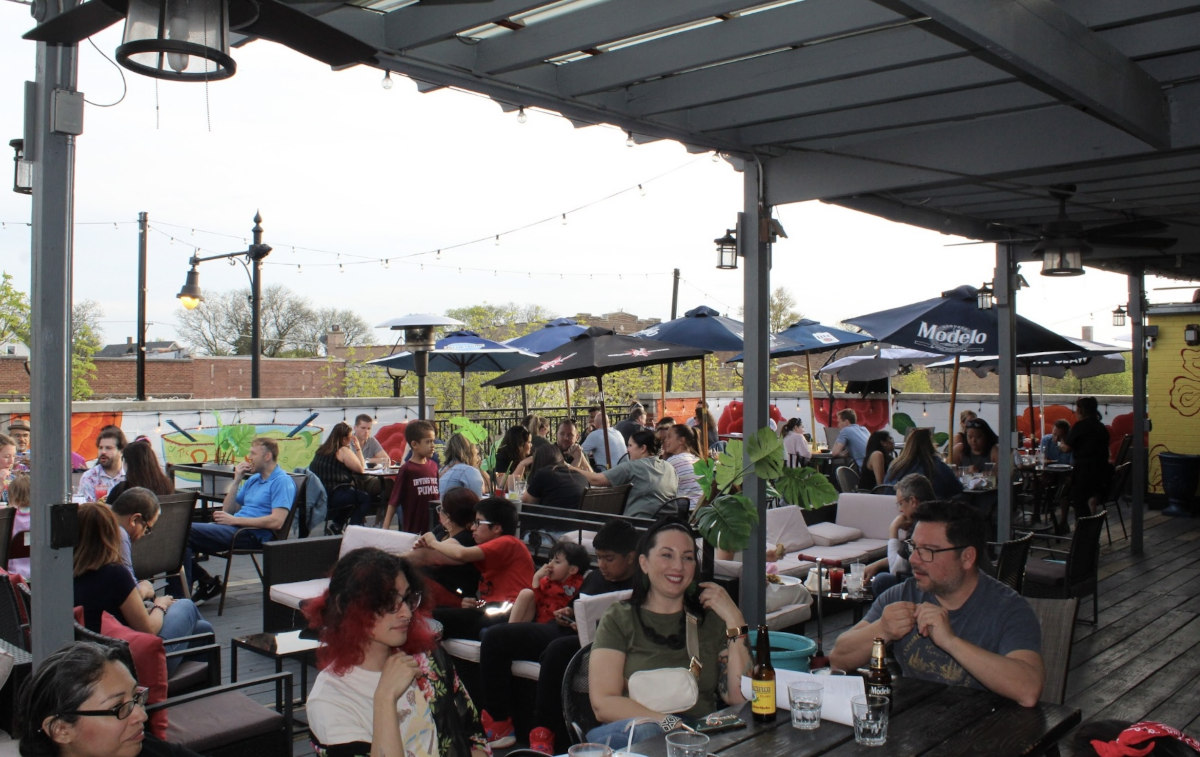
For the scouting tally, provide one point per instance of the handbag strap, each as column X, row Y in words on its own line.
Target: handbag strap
column 693, row 644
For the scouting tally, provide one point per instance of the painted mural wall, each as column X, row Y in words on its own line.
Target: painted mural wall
column 1173, row 387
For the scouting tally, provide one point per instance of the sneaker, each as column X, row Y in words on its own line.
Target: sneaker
column 542, row 740
column 499, row 733
column 207, row 590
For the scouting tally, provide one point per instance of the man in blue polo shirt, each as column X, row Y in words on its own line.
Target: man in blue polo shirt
column 852, row 440
column 261, row 503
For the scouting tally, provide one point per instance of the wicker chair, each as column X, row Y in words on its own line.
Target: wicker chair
column 1073, row 573
column 1057, row 618
column 6, row 535
column 605, row 499
column 1010, row 565
column 576, row 702
column 847, row 478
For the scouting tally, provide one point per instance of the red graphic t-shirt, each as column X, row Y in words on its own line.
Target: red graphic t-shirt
column 416, row 486
column 555, row 595
column 505, row 569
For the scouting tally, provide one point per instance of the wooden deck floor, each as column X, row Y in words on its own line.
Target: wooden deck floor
column 1142, row 661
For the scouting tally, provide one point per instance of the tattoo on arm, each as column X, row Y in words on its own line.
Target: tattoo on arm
column 723, row 674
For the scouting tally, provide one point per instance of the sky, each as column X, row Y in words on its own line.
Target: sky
column 348, row 175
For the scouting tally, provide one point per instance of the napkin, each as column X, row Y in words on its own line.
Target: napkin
column 835, row 697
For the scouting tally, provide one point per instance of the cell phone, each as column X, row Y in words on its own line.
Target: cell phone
column 716, row 723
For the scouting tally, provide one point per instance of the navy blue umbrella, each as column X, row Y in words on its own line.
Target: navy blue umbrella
column 460, row 352
column 551, row 335
column 954, row 325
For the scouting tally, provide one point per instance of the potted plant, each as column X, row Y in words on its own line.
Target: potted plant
column 726, row 516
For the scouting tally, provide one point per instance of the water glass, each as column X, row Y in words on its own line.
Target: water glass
column 686, row 744
column 590, row 750
column 870, row 719
column 805, row 697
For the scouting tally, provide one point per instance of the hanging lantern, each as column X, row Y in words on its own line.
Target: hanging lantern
column 179, row 40
column 726, row 251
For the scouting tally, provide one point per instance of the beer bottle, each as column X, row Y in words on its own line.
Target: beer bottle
column 762, row 680
column 879, row 679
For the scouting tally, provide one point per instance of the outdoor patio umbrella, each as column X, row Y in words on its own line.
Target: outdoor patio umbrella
column 1088, row 359
column 705, row 329
column 551, row 335
column 807, row 337
column 874, row 363
column 460, row 352
column 954, row 325
column 593, row 354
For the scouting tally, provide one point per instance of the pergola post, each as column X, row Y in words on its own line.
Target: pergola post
column 52, row 129
column 1141, row 424
column 1006, row 336
column 756, row 389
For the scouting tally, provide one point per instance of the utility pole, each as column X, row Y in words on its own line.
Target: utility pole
column 141, row 307
column 674, row 315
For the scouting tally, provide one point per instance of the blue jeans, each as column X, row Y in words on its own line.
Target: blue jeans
column 214, row 537
column 182, row 619
column 616, row 733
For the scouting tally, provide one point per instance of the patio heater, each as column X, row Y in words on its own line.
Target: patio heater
column 251, row 259
column 418, row 339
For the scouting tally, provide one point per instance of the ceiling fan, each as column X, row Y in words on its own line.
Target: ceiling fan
column 1120, row 234
column 275, row 20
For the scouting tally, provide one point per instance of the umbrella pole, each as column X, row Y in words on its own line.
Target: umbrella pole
column 662, row 390
column 953, row 397
column 462, row 390
column 604, row 423
column 1037, row 435
column 567, row 392
column 703, row 421
column 812, row 405
column 524, row 402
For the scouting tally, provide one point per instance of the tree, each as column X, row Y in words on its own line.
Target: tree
column 501, row 322
column 14, row 312
column 221, row 324
column 780, row 310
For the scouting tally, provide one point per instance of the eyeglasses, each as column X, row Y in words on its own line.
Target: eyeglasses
column 147, row 529
column 440, row 511
column 411, row 600
column 483, row 523
column 121, row 711
column 927, row 553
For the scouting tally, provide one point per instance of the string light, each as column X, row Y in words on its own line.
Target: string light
column 497, row 240
column 629, row 139
column 341, row 268
column 299, row 269
column 924, row 410
column 642, row 190
column 521, row 117
column 386, row 82
column 564, row 219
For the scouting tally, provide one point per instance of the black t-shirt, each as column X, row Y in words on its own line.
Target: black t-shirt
column 464, row 578
column 595, row 583
column 627, row 427
column 103, row 590
column 560, row 486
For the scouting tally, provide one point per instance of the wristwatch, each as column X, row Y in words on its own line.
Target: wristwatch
column 732, row 634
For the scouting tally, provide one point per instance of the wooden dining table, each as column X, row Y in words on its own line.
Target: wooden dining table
column 927, row 719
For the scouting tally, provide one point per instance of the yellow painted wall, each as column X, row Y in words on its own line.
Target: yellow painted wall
column 1173, row 391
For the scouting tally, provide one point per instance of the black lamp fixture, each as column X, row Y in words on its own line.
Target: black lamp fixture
column 22, row 168
column 1119, row 315
column 1191, row 334
column 985, row 297
column 1062, row 256
column 727, row 251
column 179, row 40
column 418, row 339
column 251, row 259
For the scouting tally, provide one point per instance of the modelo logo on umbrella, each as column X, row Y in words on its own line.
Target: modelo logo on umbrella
column 951, row 337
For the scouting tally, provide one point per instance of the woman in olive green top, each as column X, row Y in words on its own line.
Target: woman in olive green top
column 648, row 632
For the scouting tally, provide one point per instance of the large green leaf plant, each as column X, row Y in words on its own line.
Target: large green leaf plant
column 726, row 516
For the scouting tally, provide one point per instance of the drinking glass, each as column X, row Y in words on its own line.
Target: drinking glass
column 805, row 697
column 686, row 744
column 101, row 493
column 870, row 719
column 835, row 580
column 590, row 750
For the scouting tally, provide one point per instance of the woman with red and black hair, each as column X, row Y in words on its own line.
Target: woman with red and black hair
column 385, row 687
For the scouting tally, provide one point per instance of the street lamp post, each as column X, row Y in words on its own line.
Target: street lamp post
column 190, row 295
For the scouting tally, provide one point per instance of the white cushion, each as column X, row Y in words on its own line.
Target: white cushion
column 468, row 649
column 394, row 542
column 789, row 591
column 788, row 616
column 590, row 607
column 870, row 513
column 786, row 525
column 831, row 534
column 292, row 594
column 790, row 565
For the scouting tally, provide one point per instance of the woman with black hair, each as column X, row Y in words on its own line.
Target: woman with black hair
column 981, row 447
column 654, row 480
column 920, row 456
column 551, row 481
column 386, row 687
column 84, row 702
column 649, row 632
column 142, row 469
column 515, row 447
column 881, row 450
column 1087, row 441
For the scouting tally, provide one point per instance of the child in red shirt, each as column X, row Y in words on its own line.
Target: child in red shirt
column 555, row 585
column 417, row 482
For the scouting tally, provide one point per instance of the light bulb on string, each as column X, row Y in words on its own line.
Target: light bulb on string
column 299, row 269
column 497, row 240
column 386, row 82
column 387, row 263
column 521, row 117
column 341, row 268
column 564, row 219
column 924, row 410
column 641, row 190
column 629, row 139
column 716, row 158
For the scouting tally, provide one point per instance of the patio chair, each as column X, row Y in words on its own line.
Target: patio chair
column 6, row 526
column 281, row 534
column 1120, row 482
column 1073, row 573
column 1057, row 618
column 1010, row 564
column 576, row 702
column 847, row 478
column 190, row 675
column 679, row 507
column 605, row 499
column 161, row 552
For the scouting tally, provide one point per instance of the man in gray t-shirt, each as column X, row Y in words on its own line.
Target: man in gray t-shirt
column 372, row 450
column 951, row 623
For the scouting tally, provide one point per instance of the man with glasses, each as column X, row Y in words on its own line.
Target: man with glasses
column 950, row 622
